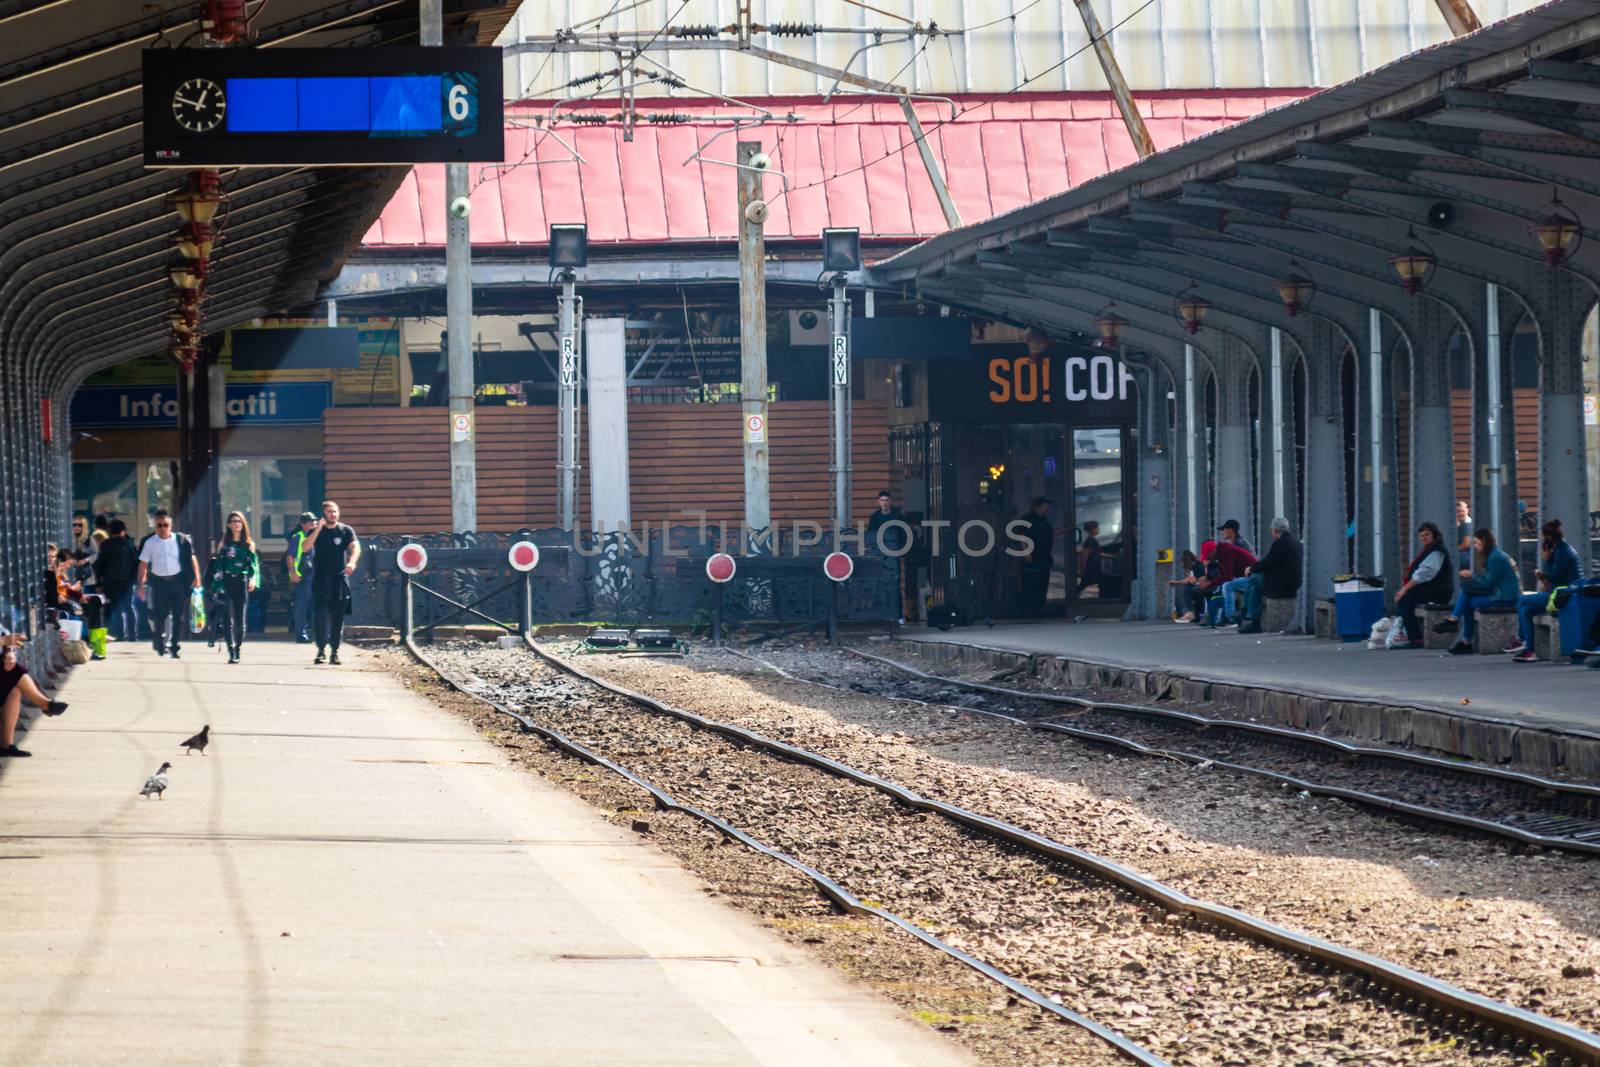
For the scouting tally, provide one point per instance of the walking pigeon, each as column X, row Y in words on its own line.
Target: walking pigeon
column 198, row 742
column 157, row 782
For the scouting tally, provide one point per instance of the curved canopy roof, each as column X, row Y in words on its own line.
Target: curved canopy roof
column 85, row 232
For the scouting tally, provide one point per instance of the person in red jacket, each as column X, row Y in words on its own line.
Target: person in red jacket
column 1232, row 561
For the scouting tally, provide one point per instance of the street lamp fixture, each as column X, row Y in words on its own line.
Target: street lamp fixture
column 1110, row 325
column 185, row 276
column 1192, row 309
column 1559, row 232
column 841, row 249
column 1414, row 262
column 1297, row 290
column 195, row 241
column 569, row 246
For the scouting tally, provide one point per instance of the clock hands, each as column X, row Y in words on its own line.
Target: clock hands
column 192, row 103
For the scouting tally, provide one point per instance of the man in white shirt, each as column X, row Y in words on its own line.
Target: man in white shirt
column 168, row 569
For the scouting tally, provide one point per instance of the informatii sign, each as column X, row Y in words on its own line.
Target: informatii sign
column 272, row 403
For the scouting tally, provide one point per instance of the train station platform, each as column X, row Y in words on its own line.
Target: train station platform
column 353, row 875
column 1539, row 715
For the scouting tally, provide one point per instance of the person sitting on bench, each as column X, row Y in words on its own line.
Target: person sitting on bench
column 1492, row 585
column 1276, row 575
column 1559, row 566
column 1429, row 580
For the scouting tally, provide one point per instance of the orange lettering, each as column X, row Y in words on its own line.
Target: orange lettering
column 1001, row 393
column 1027, row 375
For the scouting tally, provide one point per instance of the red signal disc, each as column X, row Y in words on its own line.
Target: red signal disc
column 721, row 568
column 838, row 566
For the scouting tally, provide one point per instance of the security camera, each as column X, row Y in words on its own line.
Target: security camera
column 756, row 212
column 761, row 161
column 460, row 207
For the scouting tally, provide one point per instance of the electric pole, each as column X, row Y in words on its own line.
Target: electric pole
column 458, row 316
column 753, row 339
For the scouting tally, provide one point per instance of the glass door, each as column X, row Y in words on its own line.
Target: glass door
column 1100, row 542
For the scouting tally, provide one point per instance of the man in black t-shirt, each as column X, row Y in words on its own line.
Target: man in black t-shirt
column 891, row 540
column 334, row 552
column 1041, row 536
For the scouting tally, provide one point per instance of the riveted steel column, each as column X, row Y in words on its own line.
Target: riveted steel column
column 1432, row 488
column 1233, row 473
column 1275, row 411
column 1324, row 522
column 1191, row 446
column 1493, row 464
column 1376, row 453
column 1563, row 302
column 1154, row 490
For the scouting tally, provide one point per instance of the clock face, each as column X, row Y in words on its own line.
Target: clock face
column 198, row 105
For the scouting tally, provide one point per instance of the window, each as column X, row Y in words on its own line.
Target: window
column 110, row 489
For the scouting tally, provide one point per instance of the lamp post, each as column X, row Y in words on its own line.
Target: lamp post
column 1109, row 325
column 1559, row 232
column 1192, row 309
column 569, row 250
column 1296, row 290
column 841, row 253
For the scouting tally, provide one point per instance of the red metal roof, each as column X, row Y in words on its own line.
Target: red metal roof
column 847, row 163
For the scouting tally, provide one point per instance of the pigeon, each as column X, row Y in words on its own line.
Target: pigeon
column 157, row 782
column 198, row 742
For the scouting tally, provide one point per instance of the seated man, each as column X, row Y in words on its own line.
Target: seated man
column 1277, row 575
column 1233, row 562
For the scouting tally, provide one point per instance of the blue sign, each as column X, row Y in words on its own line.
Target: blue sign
column 248, row 403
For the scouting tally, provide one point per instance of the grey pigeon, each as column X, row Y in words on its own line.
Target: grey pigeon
column 157, row 782
column 198, row 742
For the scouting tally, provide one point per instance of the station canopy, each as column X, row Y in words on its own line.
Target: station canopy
column 87, row 231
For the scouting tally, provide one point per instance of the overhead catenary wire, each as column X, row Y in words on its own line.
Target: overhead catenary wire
column 964, row 111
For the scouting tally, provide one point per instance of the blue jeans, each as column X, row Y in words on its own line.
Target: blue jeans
column 1214, row 610
column 301, row 614
column 1255, row 597
column 1233, row 596
column 1528, row 606
column 1466, row 608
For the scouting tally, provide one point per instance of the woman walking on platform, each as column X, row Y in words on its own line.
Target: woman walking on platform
column 239, row 567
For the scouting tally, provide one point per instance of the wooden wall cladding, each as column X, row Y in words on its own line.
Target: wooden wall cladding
column 389, row 468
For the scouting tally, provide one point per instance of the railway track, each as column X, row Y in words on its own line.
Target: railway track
column 1280, row 989
column 1511, row 804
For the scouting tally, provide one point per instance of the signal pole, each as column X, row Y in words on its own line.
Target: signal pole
column 458, row 315
column 753, row 341
column 839, row 407
column 567, row 410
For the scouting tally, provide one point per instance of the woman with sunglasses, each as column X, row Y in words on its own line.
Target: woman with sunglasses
column 239, row 569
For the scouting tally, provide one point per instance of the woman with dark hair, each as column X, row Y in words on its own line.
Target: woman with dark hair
column 239, row 567
column 1559, row 566
column 1193, row 570
column 1428, row 581
column 1493, row 584
column 15, row 687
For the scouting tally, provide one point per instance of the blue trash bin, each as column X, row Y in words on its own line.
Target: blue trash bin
column 1575, row 618
column 1356, row 606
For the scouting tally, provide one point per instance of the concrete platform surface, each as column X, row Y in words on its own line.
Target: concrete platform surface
column 352, row 875
column 1545, row 695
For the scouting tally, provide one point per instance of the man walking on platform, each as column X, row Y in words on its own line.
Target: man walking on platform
column 298, row 562
column 334, row 552
column 167, row 571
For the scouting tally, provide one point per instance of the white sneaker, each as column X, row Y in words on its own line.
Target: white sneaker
column 1516, row 645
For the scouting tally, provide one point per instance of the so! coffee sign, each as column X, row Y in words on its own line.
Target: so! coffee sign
column 412, row 559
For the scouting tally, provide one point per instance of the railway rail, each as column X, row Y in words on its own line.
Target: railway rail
column 1373, row 990
column 1523, row 807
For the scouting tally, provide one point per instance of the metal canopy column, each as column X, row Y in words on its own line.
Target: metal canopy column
column 1156, row 498
column 1563, row 302
column 1324, row 522
column 1494, row 502
column 1432, row 438
column 1232, row 474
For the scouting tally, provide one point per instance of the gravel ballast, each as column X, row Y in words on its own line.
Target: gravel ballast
column 1190, row 995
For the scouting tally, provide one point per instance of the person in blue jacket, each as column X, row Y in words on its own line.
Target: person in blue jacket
column 1492, row 585
column 1559, row 566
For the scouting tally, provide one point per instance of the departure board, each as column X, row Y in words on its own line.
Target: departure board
column 222, row 107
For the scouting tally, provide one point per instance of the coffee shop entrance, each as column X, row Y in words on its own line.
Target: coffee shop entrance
column 1006, row 427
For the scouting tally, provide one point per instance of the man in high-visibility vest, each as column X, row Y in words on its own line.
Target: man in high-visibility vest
column 298, row 562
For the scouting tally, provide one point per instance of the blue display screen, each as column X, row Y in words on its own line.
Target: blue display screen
column 390, row 105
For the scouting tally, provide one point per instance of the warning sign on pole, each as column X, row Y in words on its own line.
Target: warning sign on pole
column 524, row 555
column 412, row 558
column 1591, row 411
column 841, row 359
column 569, row 359
column 461, row 426
column 755, row 429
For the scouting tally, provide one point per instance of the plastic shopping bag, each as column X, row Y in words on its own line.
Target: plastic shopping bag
column 1396, row 634
column 1380, row 633
column 197, row 612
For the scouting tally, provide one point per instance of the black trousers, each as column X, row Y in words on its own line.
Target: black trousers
column 236, row 594
column 119, row 609
column 169, row 602
column 328, row 611
column 1035, row 588
column 1406, row 607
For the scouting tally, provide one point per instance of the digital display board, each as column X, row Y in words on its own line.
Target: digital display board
column 321, row 107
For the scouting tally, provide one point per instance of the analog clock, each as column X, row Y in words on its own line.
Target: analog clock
column 199, row 105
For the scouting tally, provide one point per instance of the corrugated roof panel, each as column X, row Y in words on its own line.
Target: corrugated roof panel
column 845, row 166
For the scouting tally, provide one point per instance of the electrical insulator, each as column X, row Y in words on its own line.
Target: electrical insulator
column 224, row 21
column 792, row 29
column 666, row 118
column 589, row 118
column 706, row 30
